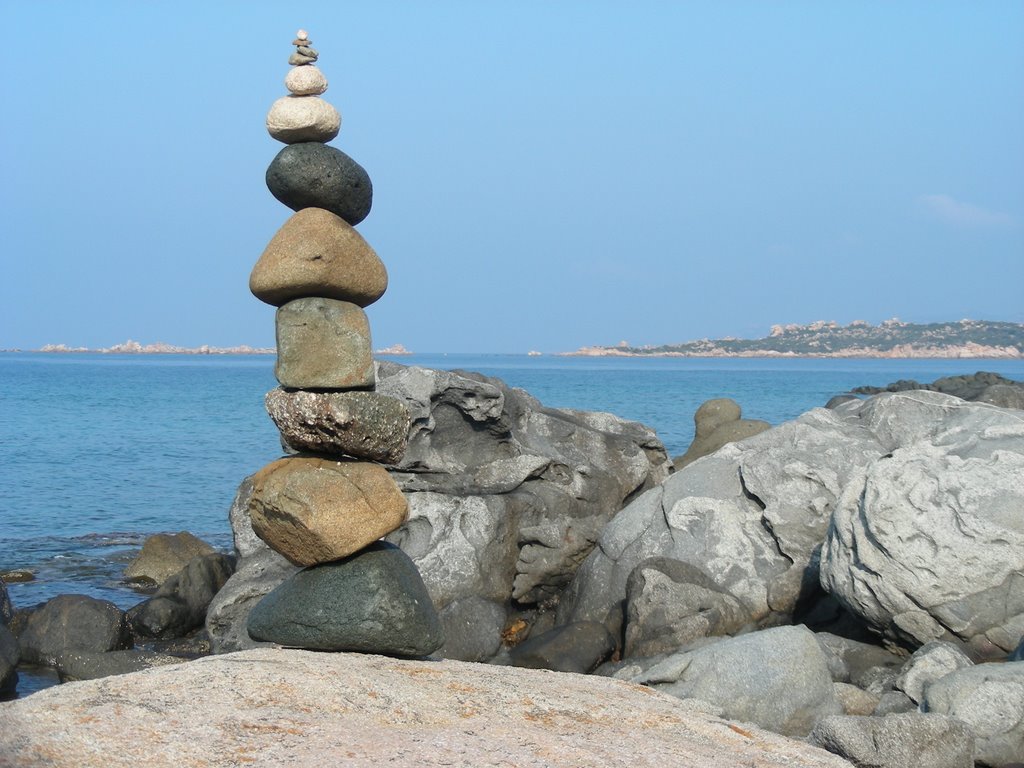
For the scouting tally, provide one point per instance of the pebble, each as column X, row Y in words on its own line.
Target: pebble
column 294, row 119
column 316, row 253
column 297, row 59
column 314, row 175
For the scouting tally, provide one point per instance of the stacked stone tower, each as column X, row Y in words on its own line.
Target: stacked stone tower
column 327, row 507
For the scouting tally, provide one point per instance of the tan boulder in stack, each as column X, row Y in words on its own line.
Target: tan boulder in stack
column 327, row 508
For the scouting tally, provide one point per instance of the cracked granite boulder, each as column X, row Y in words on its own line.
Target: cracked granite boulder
column 750, row 517
column 916, row 497
column 506, row 497
column 927, row 543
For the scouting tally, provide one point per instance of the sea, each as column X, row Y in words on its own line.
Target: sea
column 98, row 451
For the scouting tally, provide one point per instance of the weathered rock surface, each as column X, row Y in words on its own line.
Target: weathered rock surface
column 6, row 610
column 323, row 344
column 180, row 605
column 373, row 601
column 316, row 253
column 751, row 517
column 927, row 664
column 670, row 603
column 314, row 510
column 314, row 175
column 305, row 81
column 927, row 543
column 292, row 119
column 364, row 425
column 272, row 707
column 10, row 655
column 851, row 661
column 855, row 701
column 911, row 740
column 717, row 422
column 575, row 648
column 989, row 698
column 472, row 629
column 505, row 496
column 163, row 555
column 777, row 678
column 982, row 386
column 73, row 623
column 257, row 574
column 89, row 665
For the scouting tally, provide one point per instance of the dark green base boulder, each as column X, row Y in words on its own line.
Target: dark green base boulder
column 371, row 602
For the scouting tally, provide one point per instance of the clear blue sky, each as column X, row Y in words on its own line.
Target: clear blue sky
column 546, row 175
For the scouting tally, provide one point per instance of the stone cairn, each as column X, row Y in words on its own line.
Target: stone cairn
column 326, row 507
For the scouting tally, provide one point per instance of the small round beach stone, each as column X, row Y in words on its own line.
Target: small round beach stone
column 315, row 510
column 323, row 344
column 292, row 119
column 317, row 253
column 305, row 81
column 364, row 425
column 314, row 175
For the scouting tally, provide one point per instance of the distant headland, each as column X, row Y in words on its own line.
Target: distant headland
column 890, row 339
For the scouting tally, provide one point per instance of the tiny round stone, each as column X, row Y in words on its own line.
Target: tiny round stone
column 302, row 34
column 295, row 119
column 305, row 81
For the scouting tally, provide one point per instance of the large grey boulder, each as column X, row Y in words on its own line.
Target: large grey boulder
column 777, row 679
column 989, row 698
column 670, row 603
column 929, row 663
column 6, row 610
column 751, row 516
column 73, row 623
column 10, row 655
column 180, row 605
column 911, row 740
column 506, row 497
column 927, row 542
column 851, row 661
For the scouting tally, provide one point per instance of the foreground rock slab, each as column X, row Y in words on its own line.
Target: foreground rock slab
column 269, row 707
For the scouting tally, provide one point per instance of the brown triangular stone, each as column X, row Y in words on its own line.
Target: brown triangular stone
column 317, row 253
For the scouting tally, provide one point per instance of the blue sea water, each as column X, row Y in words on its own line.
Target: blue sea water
column 98, row 451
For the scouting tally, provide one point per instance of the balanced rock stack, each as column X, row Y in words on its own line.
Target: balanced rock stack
column 327, row 507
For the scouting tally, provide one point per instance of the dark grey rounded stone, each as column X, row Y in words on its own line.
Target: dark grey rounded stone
column 371, row 602
column 313, row 175
column 73, row 622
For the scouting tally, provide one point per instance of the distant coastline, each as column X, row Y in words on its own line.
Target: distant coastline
column 160, row 348
column 892, row 339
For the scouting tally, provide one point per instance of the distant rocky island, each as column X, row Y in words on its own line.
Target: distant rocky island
column 891, row 338
column 160, row 348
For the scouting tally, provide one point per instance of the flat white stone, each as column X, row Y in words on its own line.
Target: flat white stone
column 302, row 118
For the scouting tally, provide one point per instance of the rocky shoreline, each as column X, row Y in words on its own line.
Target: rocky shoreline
column 851, row 578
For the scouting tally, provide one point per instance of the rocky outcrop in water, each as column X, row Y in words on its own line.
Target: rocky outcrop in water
column 980, row 387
